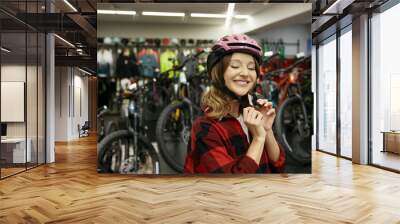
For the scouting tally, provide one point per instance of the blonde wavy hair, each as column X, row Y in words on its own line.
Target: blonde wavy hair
column 215, row 103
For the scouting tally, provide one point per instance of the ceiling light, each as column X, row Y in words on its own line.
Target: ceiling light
column 241, row 16
column 208, row 15
column 5, row 49
column 229, row 14
column 64, row 40
column 116, row 12
column 222, row 16
column 70, row 5
column 180, row 14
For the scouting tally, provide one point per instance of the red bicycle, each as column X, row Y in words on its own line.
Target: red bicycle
column 289, row 89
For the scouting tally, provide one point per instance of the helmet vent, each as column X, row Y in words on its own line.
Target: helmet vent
column 244, row 45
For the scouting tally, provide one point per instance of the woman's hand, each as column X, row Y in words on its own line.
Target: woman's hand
column 254, row 121
column 268, row 113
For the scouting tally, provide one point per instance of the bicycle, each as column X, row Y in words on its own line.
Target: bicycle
column 102, row 129
column 129, row 151
column 175, row 121
column 293, row 124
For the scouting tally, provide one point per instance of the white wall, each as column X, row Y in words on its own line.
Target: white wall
column 289, row 34
column 61, row 103
column 80, row 93
column 130, row 30
column 68, row 83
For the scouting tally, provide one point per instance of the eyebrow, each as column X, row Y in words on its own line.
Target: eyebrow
column 237, row 60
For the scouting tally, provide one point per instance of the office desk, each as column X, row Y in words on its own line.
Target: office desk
column 13, row 150
column 391, row 141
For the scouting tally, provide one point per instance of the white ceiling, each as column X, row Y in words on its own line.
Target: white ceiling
column 263, row 16
column 215, row 8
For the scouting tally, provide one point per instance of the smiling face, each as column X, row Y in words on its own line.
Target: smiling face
column 240, row 76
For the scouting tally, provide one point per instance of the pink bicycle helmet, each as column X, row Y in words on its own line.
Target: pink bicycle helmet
column 233, row 43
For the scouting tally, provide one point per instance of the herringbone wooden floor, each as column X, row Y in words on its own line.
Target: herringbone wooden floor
column 70, row 191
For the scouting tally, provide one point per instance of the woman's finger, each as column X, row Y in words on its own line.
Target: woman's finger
column 254, row 115
column 265, row 103
column 271, row 112
column 247, row 116
column 245, row 112
column 268, row 105
column 251, row 114
column 262, row 101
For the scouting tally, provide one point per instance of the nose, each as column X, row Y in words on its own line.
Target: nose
column 244, row 71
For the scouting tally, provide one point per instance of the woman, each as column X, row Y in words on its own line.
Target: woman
column 233, row 136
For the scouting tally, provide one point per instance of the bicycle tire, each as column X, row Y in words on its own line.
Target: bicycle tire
column 162, row 143
column 104, row 148
column 300, row 152
column 111, row 127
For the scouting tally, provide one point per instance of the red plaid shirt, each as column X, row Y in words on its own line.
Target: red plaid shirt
column 220, row 146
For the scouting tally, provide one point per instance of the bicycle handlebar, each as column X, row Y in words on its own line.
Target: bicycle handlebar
column 290, row 67
column 180, row 67
column 270, row 58
column 101, row 111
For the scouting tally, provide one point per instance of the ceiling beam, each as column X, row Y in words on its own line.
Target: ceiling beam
column 81, row 61
column 89, row 30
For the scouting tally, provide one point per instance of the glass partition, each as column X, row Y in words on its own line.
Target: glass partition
column 385, row 89
column 41, row 86
column 346, row 92
column 32, row 95
column 327, row 95
column 22, row 89
column 14, row 151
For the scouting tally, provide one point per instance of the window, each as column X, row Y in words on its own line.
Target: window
column 327, row 96
column 22, row 75
column 385, row 88
column 346, row 92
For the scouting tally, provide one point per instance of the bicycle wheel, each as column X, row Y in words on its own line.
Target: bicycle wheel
column 292, row 130
column 111, row 127
column 117, row 154
column 100, row 131
column 173, row 134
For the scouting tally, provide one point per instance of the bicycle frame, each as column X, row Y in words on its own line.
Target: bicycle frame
column 135, row 126
column 285, row 78
column 100, row 113
column 181, row 86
